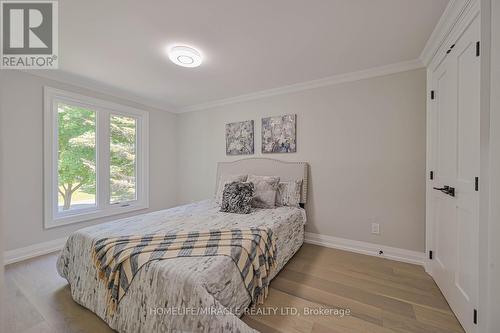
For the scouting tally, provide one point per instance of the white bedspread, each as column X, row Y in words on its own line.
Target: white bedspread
column 198, row 294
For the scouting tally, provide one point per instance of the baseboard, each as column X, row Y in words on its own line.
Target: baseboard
column 32, row 251
column 371, row 249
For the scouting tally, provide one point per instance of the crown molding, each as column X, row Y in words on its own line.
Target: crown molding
column 93, row 85
column 96, row 86
column 454, row 11
column 332, row 80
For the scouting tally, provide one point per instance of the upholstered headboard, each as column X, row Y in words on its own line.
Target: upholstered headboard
column 287, row 171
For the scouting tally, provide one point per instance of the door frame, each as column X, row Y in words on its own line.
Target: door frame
column 456, row 18
column 463, row 23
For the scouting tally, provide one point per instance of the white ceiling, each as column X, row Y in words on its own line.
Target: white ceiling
column 248, row 46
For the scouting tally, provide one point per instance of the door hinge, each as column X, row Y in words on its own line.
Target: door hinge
column 433, row 94
column 431, row 175
column 476, row 184
column 430, row 255
column 474, row 319
column 478, row 49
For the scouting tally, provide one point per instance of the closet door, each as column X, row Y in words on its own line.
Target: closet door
column 456, row 160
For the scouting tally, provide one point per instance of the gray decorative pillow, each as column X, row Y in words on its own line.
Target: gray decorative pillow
column 289, row 193
column 265, row 190
column 236, row 198
column 225, row 179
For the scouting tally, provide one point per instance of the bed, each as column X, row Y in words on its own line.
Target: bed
column 192, row 294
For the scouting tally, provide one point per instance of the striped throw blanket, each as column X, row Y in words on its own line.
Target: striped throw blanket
column 253, row 251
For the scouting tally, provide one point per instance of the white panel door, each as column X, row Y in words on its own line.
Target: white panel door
column 455, row 145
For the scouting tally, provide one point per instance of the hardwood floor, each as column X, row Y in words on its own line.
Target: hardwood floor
column 382, row 296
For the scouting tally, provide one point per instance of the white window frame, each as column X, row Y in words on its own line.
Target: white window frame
column 104, row 109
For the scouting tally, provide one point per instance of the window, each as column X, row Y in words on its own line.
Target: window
column 122, row 178
column 96, row 158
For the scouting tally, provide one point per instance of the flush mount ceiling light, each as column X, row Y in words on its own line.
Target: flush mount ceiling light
column 185, row 56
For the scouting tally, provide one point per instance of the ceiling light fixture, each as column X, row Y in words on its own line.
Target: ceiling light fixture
column 185, row 56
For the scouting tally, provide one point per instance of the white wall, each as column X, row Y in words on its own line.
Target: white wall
column 364, row 140
column 21, row 159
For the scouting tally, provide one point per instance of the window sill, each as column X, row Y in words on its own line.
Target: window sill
column 50, row 223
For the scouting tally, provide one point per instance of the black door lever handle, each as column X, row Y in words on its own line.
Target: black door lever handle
column 451, row 191
column 446, row 189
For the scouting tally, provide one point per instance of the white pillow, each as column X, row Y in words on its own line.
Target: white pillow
column 226, row 179
column 288, row 193
column 265, row 190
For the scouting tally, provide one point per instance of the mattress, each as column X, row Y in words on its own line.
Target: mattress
column 195, row 294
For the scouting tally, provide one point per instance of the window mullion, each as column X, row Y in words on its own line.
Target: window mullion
column 138, row 162
column 103, row 160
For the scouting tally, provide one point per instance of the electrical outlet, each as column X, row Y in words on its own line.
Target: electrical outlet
column 375, row 228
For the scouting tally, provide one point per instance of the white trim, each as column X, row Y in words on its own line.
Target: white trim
column 86, row 83
column 104, row 109
column 429, row 163
column 32, row 251
column 454, row 11
column 371, row 249
column 332, row 80
column 489, row 262
column 62, row 76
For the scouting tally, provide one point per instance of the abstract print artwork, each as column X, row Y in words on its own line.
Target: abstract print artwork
column 239, row 138
column 279, row 134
